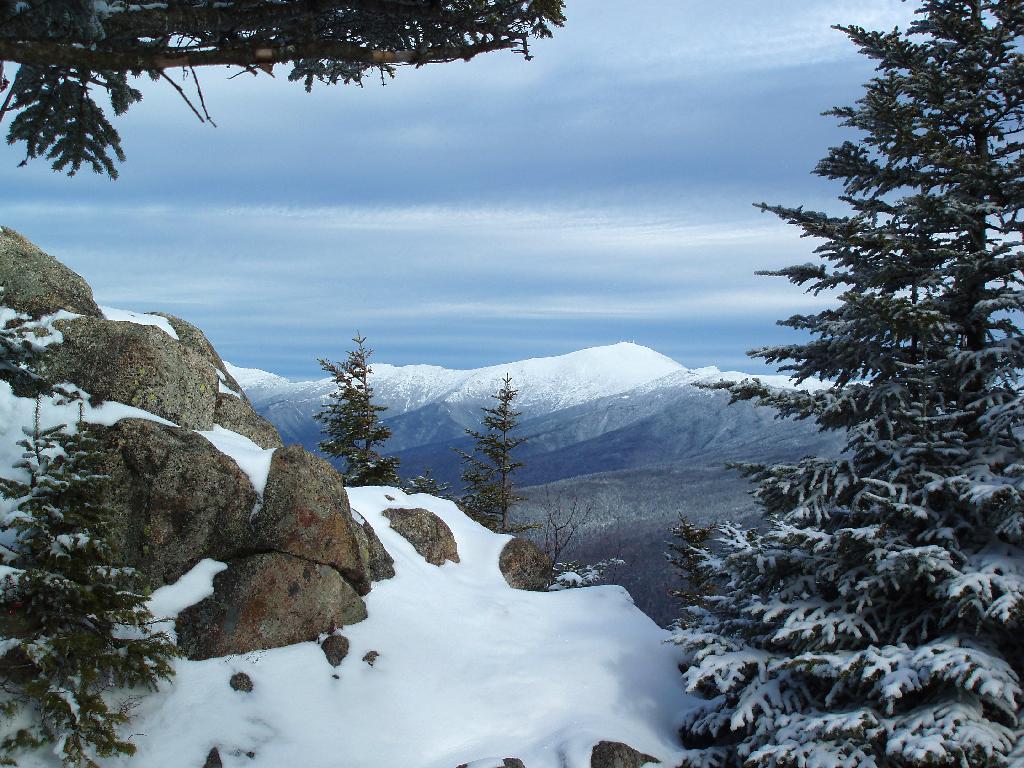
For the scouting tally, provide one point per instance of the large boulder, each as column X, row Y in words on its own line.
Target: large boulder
column 176, row 499
column 236, row 414
column 267, row 601
column 305, row 512
column 428, row 534
column 36, row 283
column 615, row 754
column 137, row 365
column 525, row 566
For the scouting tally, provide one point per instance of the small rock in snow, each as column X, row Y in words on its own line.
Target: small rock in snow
column 335, row 648
column 615, row 754
column 241, row 682
column 213, row 759
column 371, row 657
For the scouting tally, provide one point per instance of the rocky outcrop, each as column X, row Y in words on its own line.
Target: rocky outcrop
column 305, row 512
column 236, row 414
column 267, row 601
column 297, row 561
column 176, row 499
column 38, row 284
column 194, row 339
column 525, row 566
column 137, row 365
column 429, row 535
column 615, row 754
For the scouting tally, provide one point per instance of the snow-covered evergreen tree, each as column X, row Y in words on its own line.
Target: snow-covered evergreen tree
column 352, row 425
column 17, row 350
column 73, row 621
column 878, row 620
column 489, row 468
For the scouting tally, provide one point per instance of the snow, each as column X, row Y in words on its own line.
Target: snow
column 223, row 387
column 167, row 602
column 18, row 413
column 253, row 460
column 139, row 318
column 469, row 670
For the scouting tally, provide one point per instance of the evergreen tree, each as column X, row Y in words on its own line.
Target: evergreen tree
column 17, row 352
column 878, row 620
column 68, row 51
column 352, row 423
column 427, row 483
column 74, row 621
column 489, row 468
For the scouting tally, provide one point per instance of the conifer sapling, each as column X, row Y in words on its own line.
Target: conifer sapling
column 489, row 468
column 74, row 625
column 352, row 425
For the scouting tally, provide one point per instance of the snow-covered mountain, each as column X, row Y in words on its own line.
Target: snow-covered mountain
column 545, row 384
column 453, row 398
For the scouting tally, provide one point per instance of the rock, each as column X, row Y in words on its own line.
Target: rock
column 267, row 601
column 36, row 283
column 237, row 415
column 428, row 534
column 305, row 513
column 193, row 338
column 176, row 499
column 379, row 563
column 615, row 754
column 241, row 682
column 508, row 762
column 525, row 566
column 370, row 657
column 213, row 759
column 134, row 364
column 335, row 648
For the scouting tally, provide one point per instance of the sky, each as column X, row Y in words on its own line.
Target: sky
column 473, row 213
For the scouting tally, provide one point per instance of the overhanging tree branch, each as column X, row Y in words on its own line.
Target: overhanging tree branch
column 329, row 41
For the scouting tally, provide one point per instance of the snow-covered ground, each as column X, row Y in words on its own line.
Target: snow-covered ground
column 468, row 669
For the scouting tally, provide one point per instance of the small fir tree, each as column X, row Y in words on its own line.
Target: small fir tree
column 878, row 620
column 427, row 483
column 352, row 425
column 18, row 350
column 74, row 621
column 489, row 468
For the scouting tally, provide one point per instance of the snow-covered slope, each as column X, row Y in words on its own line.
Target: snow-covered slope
column 468, row 670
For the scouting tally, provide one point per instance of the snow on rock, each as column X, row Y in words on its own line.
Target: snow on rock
column 253, row 460
column 168, row 601
column 139, row 318
column 44, row 333
column 18, row 414
column 224, row 388
column 468, row 669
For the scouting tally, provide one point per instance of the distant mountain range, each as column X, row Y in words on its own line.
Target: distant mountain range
column 620, row 427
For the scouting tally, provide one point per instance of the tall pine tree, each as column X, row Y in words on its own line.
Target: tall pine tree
column 489, row 468
column 73, row 621
column 352, row 425
column 878, row 620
